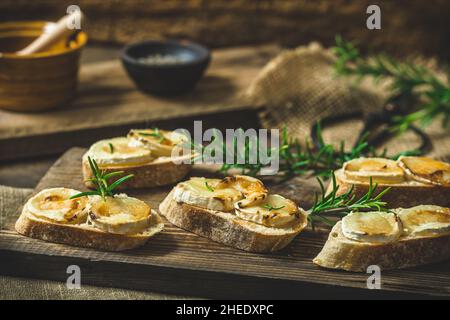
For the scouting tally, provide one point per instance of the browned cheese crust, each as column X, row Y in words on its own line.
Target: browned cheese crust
column 228, row 229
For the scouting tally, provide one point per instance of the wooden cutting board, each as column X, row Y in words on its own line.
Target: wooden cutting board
column 180, row 262
column 108, row 104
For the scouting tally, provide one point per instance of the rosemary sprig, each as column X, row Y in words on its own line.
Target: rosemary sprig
column 100, row 180
column 156, row 134
column 409, row 79
column 295, row 158
column 330, row 205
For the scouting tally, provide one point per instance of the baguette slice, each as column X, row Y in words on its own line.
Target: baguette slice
column 84, row 235
column 340, row 252
column 405, row 194
column 162, row 171
column 229, row 229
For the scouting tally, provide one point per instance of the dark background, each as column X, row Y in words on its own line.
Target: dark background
column 408, row 27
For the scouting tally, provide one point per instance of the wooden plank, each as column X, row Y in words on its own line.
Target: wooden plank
column 205, row 283
column 33, row 145
column 109, row 104
column 25, row 173
column 187, row 261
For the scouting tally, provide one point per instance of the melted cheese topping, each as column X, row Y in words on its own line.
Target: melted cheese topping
column 120, row 214
column 207, row 193
column 54, row 205
column 247, row 196
column 427, row 170
column 160, row 142
column 252, row 189
column 221, row 195
column 425, row 220
column 381, row 170
column 118, row 151
column 377, row 227
column 274, row 211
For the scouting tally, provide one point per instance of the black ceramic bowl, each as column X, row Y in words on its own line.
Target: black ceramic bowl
column 165, row 67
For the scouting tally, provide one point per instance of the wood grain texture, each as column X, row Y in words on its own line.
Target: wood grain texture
column 178, row 261
column 408, row 27
column 25, row 173
column 108, row 105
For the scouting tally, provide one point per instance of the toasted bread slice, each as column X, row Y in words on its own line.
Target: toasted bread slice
column 229, row 229
column 406, row 194
column 160, row 172
column 84, row 235
column 340, row 252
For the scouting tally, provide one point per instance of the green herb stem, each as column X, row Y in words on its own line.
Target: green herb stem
column 100, row 180
column 295, row 158
column 208, row 187
column 329, row 205
column 431, row 93
column 156, row 134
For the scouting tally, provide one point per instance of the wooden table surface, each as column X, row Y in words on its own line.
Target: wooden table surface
column 42, row 138
column 193, row 260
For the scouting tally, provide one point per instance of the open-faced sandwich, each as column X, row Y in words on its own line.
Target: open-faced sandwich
column 94, row 219
column 146, row 153
column 413, row 180
column 113, row 224
column 391, row 240
column 237, row 211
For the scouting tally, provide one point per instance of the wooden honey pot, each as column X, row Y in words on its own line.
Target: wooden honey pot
column 41, row 80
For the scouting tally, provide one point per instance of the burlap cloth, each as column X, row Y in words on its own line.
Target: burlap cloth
column 299, row 86
column 12, row 288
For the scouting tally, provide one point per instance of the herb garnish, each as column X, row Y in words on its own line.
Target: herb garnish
column 408, row 79
column 295, row 158
column 100, row 181
column 208, row 187
column 156, row 134
column 330, row 205
column 111, row 147
column 270, row 207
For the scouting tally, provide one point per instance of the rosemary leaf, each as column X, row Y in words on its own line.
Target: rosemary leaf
column 100, row 180
column 83, row 194
column 408, row 79
column 156, row 134
column 116, row 183
column 330, row 205
column 295, row 158
column 208, row 187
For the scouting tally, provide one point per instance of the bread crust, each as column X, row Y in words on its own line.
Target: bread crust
column 152, row 174
column 342, row 253
column 400, row 195
column 228, row 229
column 84, row 235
